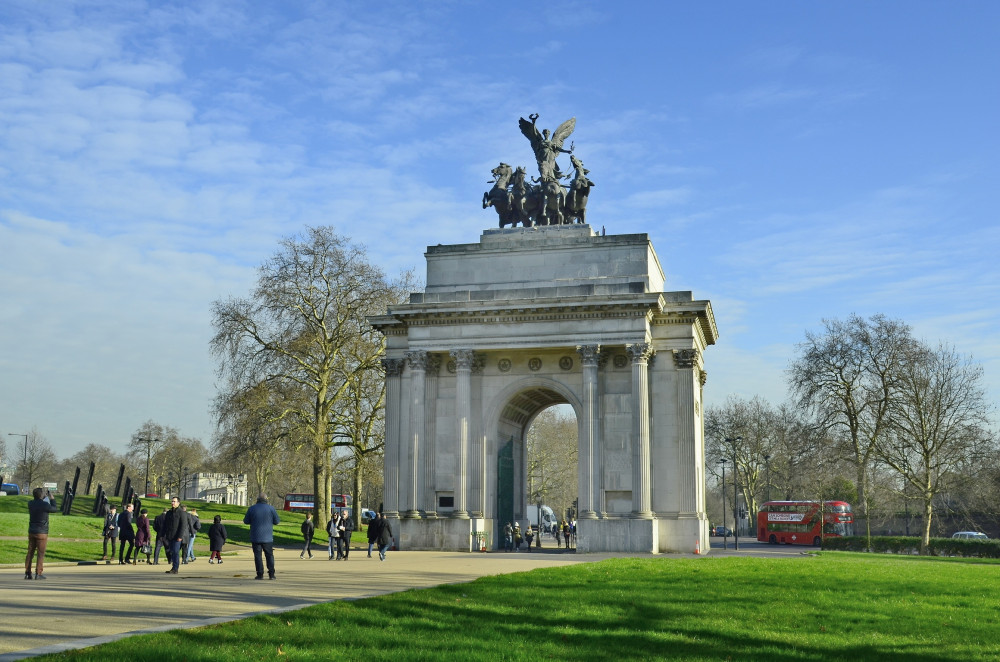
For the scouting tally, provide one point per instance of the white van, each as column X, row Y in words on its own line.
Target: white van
column 970, row 535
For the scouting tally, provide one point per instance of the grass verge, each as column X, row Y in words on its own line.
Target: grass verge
column 830, row 607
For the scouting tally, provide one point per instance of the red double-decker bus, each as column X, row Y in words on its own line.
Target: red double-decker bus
column 803, row 522
column 303, row 502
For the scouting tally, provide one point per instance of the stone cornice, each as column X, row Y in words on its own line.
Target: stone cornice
column 652, row 306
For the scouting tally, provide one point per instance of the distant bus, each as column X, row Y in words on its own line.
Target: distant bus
column 303, row 502
column 803, row 522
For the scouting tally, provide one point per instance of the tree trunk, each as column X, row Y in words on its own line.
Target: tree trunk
column 928, row 512
column 357, row 493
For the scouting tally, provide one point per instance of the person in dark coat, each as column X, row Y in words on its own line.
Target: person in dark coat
column 216, row 539
column 38, row 529
column 159, row 524
column 308, row 531
column 384, row 536
column 262, row 517
column 345, row 527
column 110, row 532
column 126, row 534
column 186, row 534
column 373, row 530
column 142, row 536
column 174, row 529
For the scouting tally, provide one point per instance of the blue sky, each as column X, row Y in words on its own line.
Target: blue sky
column 790, row 161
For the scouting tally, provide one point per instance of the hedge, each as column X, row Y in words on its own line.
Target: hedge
column 989, row 549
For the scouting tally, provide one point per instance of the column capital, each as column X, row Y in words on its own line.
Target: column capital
column 418, row 360
column 639, row 352
column 589, row 354
column 393, row 367
column 685, row 358
column 467, row 359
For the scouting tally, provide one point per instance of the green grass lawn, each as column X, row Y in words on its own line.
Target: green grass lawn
column 78, row 536
column 834, row 606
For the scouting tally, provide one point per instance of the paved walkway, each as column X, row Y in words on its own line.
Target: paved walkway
column 85, row 605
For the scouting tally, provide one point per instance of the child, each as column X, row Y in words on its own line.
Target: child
column 216, row 539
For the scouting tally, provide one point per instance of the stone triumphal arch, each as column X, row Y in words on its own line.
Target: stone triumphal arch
column 528, row 318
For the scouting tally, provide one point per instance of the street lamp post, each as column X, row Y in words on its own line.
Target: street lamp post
column 736, row 481
column 725, row 538
column 24, row 465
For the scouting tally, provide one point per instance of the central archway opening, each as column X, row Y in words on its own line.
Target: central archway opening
column 537, row 464
column 552, row 470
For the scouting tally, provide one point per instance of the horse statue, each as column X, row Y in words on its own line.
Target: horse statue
column 553, row 197
column 579, row 190
column 499, row 197
column 526, row 201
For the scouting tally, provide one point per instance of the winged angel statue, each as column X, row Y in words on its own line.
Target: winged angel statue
column 546, row 203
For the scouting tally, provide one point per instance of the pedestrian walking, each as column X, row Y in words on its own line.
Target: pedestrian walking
column 216, row 539
column 175, row 528
column 308, row 531
column 262, row 517
column 194, row 526
column 39, row 508
column 110, row 532
column 142, row 536
column 333, row 532
column 344, row 530
column 161, row 540
column 528, row 536
column 373, row 530
column 126, row 534
column 384, row 536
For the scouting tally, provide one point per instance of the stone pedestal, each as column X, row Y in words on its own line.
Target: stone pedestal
column 528, row 318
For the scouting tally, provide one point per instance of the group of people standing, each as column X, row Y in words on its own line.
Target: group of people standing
column 176, row 528
column 564, row 532
column 339, row 530
column 126, row 528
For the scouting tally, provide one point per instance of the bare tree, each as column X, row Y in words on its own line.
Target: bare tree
column 312, row 300
column 552, row 461
column 252, row 430
column 145, row 443
column 743, row 432
column 35, row 457
column 183, row 457
column 105, row 461
column 359, row 423
column 939, row 420
column 847, row 377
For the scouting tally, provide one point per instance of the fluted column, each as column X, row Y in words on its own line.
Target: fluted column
column 464, row 359
column 428, row 447
column 393, row 369
column 686, row 362
column 418, row 382
column 639, row 353
column 588, row 447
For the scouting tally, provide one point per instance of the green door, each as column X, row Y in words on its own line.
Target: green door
column 505, row 490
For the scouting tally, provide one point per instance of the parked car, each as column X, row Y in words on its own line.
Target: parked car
column 970, row 535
